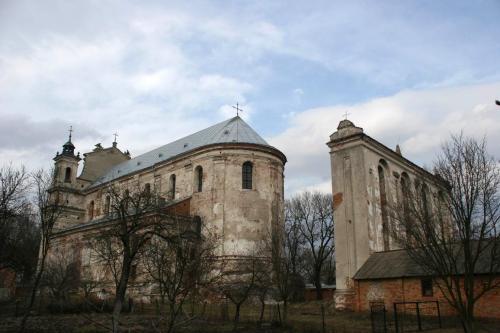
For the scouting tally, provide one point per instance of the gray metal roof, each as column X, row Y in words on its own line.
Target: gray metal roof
column 228, row 131
column 390, row 264
column 398, row 263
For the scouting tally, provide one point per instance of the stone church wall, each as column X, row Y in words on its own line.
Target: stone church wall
column 243, row 216
column 366, row 183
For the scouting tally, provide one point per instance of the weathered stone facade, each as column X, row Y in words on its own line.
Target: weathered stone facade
column 206, row 179
column 366, row 178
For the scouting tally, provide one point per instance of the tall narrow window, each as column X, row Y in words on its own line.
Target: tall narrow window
column 198, row 181
column 67, row 175
column 107, row 205
column 426, row 205
column 172, row 187
column 147, row 188
column 405, row 193
column 91, row 210
column 383, row 207
column 246, row 174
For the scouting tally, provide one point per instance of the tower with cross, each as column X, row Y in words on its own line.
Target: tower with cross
column 114, row 141
column 66, row 163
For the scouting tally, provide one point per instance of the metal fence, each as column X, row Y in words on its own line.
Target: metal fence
column 378, row 317
column 416, row 316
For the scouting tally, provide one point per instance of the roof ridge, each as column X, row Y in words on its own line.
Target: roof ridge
column 211, row 135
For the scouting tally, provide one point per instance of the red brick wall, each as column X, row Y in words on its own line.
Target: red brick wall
column 409, row 290
column 8, row 280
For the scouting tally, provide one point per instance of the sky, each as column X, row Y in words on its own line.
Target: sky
column 408, row 72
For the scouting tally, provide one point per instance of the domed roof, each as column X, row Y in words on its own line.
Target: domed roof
column 345, row 124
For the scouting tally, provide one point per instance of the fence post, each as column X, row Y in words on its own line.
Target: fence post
column 439, row 314
column 385, row 320
column 418, row 317
column 396, row 317
column 371, row 318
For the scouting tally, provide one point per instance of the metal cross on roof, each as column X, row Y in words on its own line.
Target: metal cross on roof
column 346, row 114
column 115, row 134
column 70, row 131
column 237, row 109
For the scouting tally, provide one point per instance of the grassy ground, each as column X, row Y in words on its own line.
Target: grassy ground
column 302, row 318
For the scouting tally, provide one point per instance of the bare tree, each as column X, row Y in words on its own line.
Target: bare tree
column 181, row 260
column 286, row 246
column 48, row 212
column 18, row 231
column 313, row 213
column 240, row 281
column 453, row 235
column 60, row 275
column 132, row 216
column 92, row 278
column 109, row 253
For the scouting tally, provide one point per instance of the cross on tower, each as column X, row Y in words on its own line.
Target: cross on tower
column 70, row 131
column 237, row 107
column 346, row 114
column 115, row 134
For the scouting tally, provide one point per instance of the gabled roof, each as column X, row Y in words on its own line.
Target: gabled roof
column 233, row 130
column 389, row 264
column 398, row 263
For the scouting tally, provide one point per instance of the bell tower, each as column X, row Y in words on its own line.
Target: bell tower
column 65, row 190
column 66, row 165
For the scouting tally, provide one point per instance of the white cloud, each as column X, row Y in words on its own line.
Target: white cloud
column 420, row 120
column 155, row 71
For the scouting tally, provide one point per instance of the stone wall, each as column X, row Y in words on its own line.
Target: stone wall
column 243, row 217
column 366, row 183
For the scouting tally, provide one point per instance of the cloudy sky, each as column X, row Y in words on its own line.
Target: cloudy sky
column 411, row 72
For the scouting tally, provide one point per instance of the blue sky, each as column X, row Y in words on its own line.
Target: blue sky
column 409, row 72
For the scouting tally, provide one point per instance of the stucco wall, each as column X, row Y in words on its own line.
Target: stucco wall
column 242, row 216
column 355, row 161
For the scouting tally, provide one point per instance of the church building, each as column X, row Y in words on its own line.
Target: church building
column 368, row 177
column 226, row 175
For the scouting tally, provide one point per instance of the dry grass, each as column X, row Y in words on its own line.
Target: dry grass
column 302, row 318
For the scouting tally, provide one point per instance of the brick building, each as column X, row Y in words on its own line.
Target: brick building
column 392, row 276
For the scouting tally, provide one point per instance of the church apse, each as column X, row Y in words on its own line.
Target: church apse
column 207, row 172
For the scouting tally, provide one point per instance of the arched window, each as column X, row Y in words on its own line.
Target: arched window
column 426, row 205
column 91, row 210
column 198, row 179
column 147, row 188
column 67, row 175
column 172, row 187
column 246, row 175
column 107, row 205
column 383, row 205
column 405, row 193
